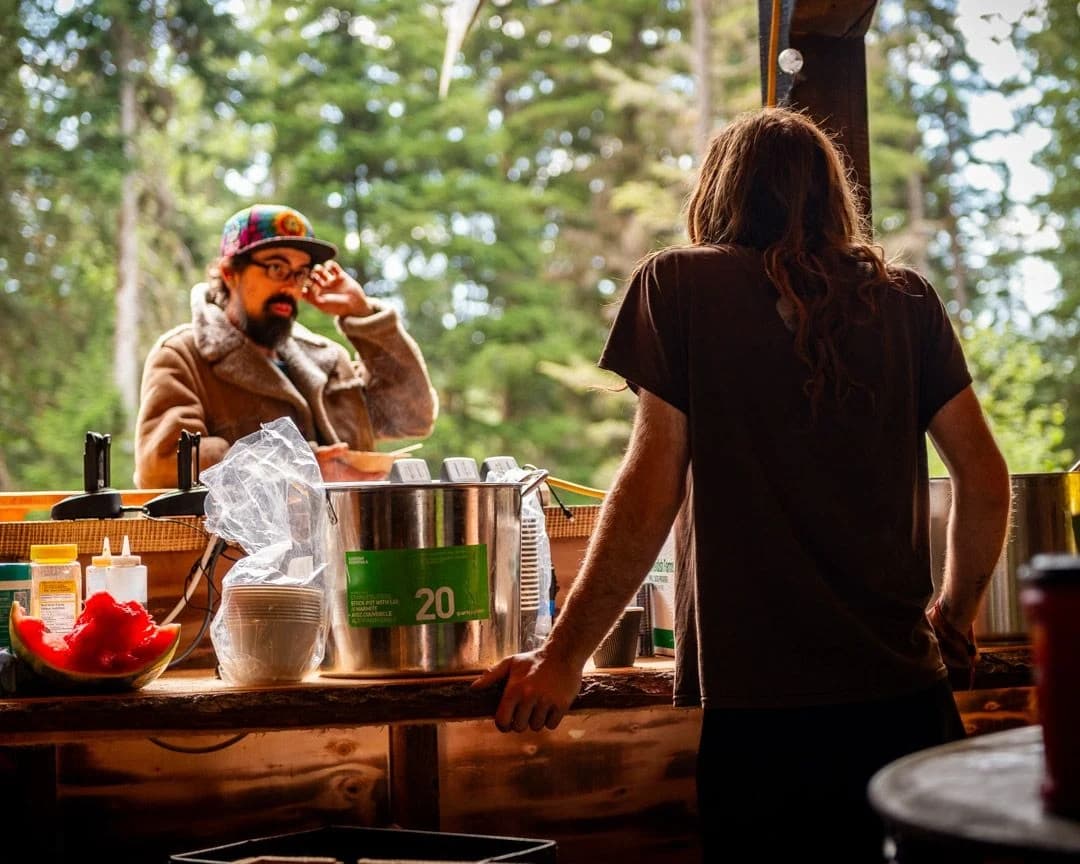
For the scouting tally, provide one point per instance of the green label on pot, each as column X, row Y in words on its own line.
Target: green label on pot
column 403, row 587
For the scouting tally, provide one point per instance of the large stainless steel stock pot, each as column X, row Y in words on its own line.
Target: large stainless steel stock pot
column 423, row 577
column 1045, row 518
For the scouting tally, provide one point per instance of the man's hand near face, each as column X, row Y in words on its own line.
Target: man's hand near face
column 333, row 291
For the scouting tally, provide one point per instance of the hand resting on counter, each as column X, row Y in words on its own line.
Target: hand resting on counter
column 958, row 649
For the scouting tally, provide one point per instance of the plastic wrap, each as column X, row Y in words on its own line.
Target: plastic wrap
column 266, row 496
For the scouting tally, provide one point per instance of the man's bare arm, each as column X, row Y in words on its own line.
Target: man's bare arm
column 981, row 497
column 540, row 685
column 634, row 522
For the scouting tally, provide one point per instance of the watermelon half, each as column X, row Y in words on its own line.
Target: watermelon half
column 113, row 646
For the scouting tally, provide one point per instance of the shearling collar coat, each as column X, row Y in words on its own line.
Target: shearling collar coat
column 207, row 377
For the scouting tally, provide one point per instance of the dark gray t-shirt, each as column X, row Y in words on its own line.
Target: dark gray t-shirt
column 805, row 572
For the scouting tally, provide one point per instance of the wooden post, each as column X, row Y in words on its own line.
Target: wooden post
column 832, row 89
column 414, row 775
column 831, row 86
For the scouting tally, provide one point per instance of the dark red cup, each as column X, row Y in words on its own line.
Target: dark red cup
column 1050, row 594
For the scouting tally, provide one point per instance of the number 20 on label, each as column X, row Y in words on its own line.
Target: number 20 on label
column 436, row 604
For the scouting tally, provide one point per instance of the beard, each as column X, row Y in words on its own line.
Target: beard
column 269, row 329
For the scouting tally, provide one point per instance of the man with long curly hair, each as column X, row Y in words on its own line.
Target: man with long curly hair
column 788, row 377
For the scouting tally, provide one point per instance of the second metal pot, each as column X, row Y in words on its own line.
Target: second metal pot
column 1045, row 518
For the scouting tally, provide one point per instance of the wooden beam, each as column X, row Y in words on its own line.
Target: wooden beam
column 837, row 18
column 413, row 762
column 832, row 89
column 831, row 86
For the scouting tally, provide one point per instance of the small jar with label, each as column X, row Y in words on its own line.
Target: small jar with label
column 56, row 585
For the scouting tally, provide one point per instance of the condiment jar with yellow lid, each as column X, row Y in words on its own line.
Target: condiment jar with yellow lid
column 56, row 585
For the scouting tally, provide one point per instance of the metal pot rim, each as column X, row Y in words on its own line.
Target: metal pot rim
column 525, row 485
column 1034, row 475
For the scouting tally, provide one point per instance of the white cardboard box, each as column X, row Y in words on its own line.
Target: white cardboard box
column 662, row 599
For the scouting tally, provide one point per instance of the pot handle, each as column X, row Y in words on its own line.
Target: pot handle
column 1075, row 466
column 533, row 479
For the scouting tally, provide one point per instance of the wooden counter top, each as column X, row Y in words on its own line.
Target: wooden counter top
column 191, row 700
column 196, row 701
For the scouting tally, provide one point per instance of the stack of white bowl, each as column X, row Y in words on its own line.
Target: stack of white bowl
column 272, row 634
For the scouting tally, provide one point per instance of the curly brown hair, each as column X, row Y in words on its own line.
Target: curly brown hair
column 774, row 180
column 217, row 291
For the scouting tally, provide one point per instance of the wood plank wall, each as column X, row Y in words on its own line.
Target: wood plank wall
column 604, row 786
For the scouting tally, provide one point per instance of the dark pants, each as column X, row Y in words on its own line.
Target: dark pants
column 789, row 784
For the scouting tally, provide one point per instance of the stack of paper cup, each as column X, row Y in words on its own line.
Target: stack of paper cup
column 271, row 633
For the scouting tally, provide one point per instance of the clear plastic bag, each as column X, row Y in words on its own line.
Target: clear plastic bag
column 266, row 496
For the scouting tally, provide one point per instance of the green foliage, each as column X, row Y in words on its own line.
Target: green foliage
column 502, row 220
column 485, row 216
column 1010, row 372
column 925, row 154
column 1052, row 60
column 68, row 161
column 80, row 405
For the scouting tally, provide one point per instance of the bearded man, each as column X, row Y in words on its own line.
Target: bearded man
column 244, row 360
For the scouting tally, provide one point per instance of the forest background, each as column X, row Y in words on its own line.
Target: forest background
column 504, row 216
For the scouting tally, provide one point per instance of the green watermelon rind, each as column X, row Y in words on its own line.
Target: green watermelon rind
column 87, row 681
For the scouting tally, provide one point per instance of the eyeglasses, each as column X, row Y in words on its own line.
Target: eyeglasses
column 277, row 271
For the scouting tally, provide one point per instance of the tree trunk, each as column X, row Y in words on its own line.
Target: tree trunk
column 702, row 69
column 126, row 343
column 918, row 230
column 958, row 271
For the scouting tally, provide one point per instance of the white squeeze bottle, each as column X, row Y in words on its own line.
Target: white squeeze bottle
column 126, row 578
column 97, row 573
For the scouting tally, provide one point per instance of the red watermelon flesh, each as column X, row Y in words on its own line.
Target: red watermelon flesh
column 52, row 647
column 108, row 637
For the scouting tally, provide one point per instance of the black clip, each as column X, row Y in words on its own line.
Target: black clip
column 99, row 501
column 189, row 499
